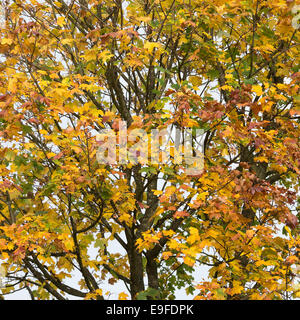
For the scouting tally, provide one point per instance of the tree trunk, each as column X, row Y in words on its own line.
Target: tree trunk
column 151, row 269
column 136, row 271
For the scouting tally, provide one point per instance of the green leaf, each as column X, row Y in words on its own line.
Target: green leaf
column 175, row 86
column 26, row 129
column 10, row 155
column 168, row 170
column 100, row 243
column 106, row 193
column 148, row 170
column 152, row 293
column 221, row 293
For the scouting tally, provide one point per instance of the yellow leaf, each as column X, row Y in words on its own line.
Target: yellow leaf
column 257, row 89
column 227, row 87
column 144, row 19
column 265, row 48
column 123, row 296
column 202, row 195
column 68, row 244
column 194, row 235
column 282, row 86
column 261, row 159
column 76, row 149
column 151, row 45
column 237, row 288
column 250, row 233
column 224, row 152
column 157, row 192
column 189, row 261
column 212, row 233
column 93, row 295
column 67, row 41
column 6, row 41
column 14, row 194
column 267, row 106
column 229, row 76
column 5, row 255
column 51, row 154
column 58, row 4
column 166, row 255
column 61, row 21
column 105, row 55
column 195, row 80
column 12, row 85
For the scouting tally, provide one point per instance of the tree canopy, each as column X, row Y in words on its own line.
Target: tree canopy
column 70, row 68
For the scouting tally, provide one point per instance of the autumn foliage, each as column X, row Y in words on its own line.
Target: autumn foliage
column 71, row 227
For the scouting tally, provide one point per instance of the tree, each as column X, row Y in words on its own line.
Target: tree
column 69, row 69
